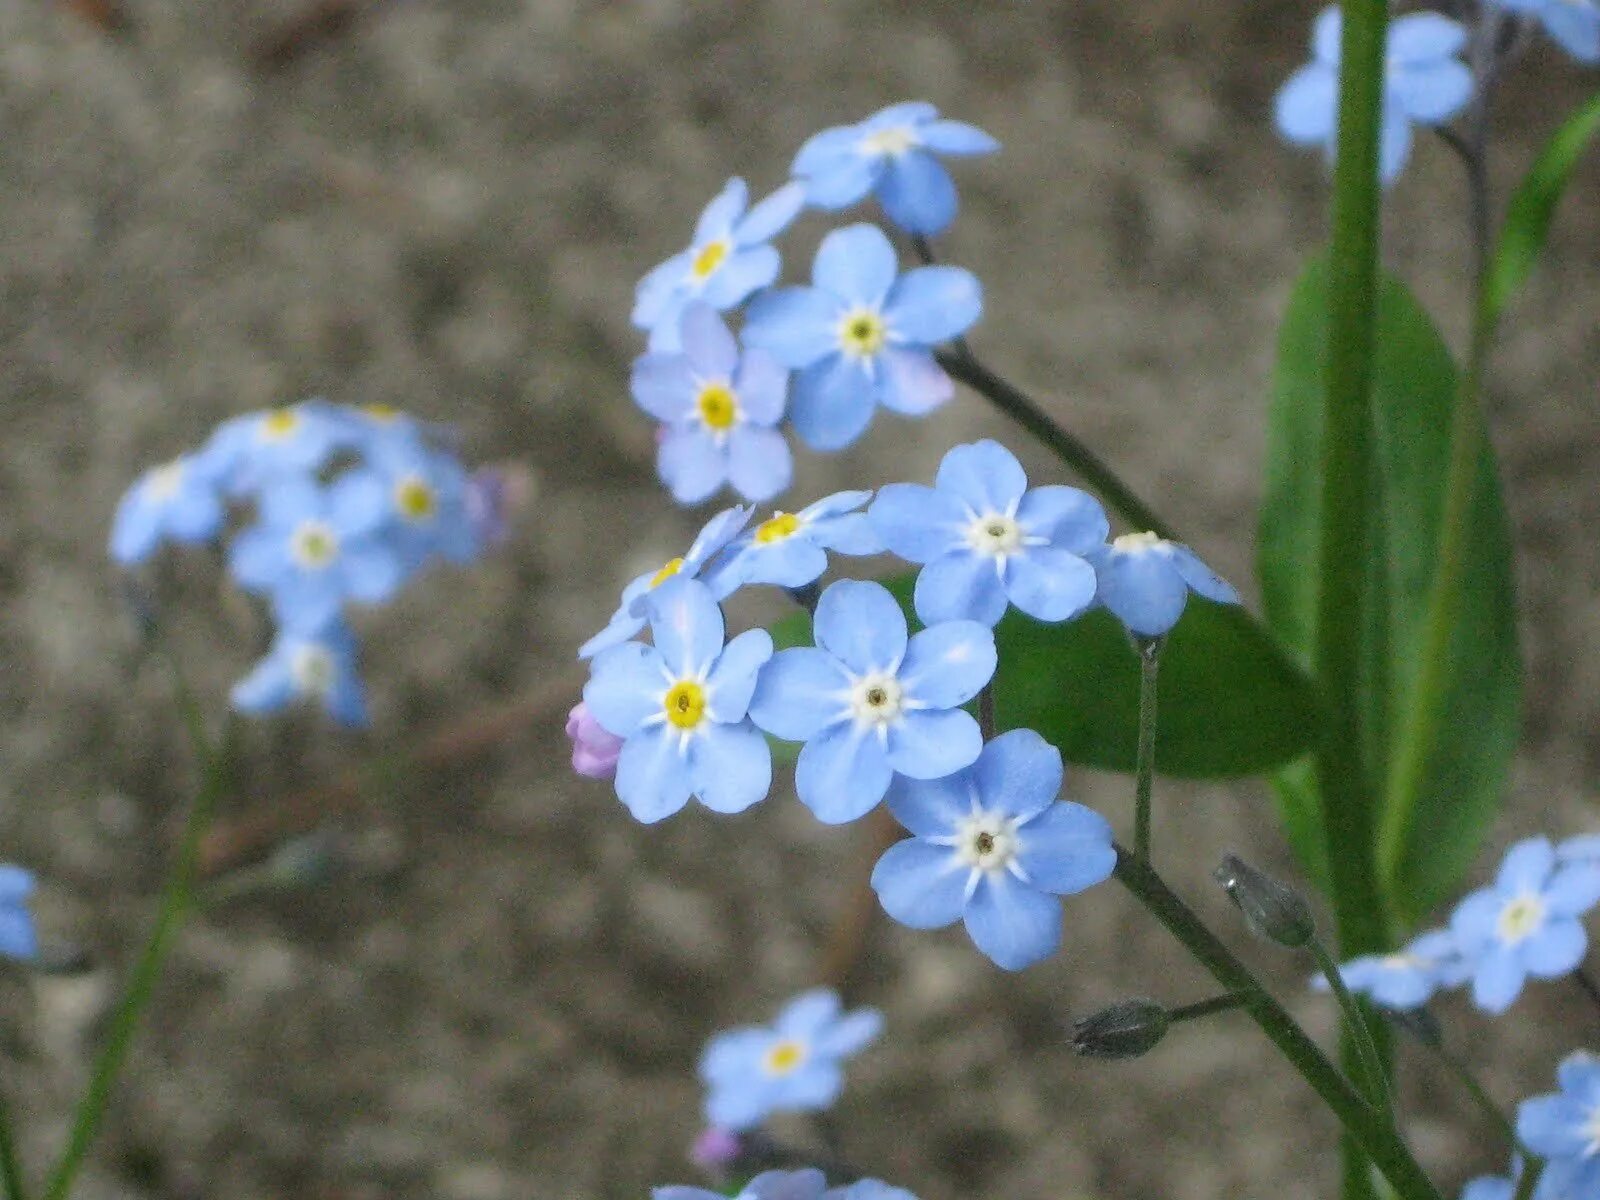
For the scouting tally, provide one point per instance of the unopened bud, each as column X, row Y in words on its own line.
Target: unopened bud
column 1272, row 910
column 1127, row 1029
column 595, row 749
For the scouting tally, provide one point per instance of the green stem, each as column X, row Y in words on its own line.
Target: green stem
column 1367, row 1126
column 1355, row 1023
column 1485, row 1103
column 1149, row 650
column 10, row 1163
column 1531, row 1170
column 1205, row 1008
column 175, row 901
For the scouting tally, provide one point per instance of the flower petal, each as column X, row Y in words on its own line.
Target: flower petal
column 799, row 693
column 933, row 304
column 760, row 465
column 842, row 773
column 1433, row 93
column 718, row 217
column 932, row 808
column 690, row 463
column 948, row 663
column 762, row 383
column 625, row 687
column 860, row 624
column 730, row 766
column 1423, row 37
column 1050, row 584
column 857, row 264
column 1019, row 774
column 917, row 193
column 956, row 138
column 1013, row 924
column 1305, row 110
column 733, row 679
column 833, row 402
column 771, row 216
column 919, row 885
column 798, row 325
column 707, row 344
column 916, row 522
column 961, row 585
column 1066, row 849
column 984, row 476
column 934, row 743
column 653, row 774
column 1070, row 518
column 913, row 383
column 663, row 385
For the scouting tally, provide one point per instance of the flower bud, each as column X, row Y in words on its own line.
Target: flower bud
column 715, row 1148
column 1126, row 1029
column 594, row 748
column 1418, row 1024
column 1271, row 909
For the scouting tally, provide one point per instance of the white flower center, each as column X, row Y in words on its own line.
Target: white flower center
column 987, row 841
column 1520, row 919
column 313, row 545
column 862, row 333
column 164, row 480
column 877, row 699
column 996, row 535
column 1402, row 962
column 1137, row 543
column 894, row 141
column 312, row 669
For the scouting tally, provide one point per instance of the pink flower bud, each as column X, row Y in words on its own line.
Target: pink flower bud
column 714, row 1149
column 594, row 750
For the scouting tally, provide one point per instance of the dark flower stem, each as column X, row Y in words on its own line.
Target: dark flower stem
column 986, row 721
column 1205, row 1008
column 10, row 1164
column 1368, row 1127
column 1149, row 651
column 1355, row 1022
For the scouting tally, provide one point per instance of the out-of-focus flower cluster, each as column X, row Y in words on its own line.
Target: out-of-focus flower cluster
column 316, row 507
column 809, row 1184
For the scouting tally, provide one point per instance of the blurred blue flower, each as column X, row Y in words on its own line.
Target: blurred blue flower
column 1410, row 977
column 860, row 336
column 317, row 666
column 1583, row 848
column 769, row 1185
column 994, row 847
column 680, row 707
column 728, row 259
column 1145, row 581
column 869, row 1189
column 721, row 410
column 178, row 500
column 1526, row 923
column 18, row 939
column 1552, row 1185
column 429, row 512
column 1564, row 1128
column 867, row 702
column 790, row 549
column 795, row 1065
column 632, row 612
column 1573, row 24
column 247, row 452
column 1424, row 84
column 891, row 153
column 986, row 539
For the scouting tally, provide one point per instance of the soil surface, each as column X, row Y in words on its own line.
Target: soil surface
column 500, row 988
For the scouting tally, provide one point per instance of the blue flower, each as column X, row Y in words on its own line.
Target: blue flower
column 178, row 500
column 632, row 612
column 428, row 509
column 987, row 540
column 1409, row 978
column 1573, row 24
column 728, row 259
column 1424, row 83
column 1552, row 1184
column 867, row 702
column 790, row 549
column 680, row 708
column 769, row 1185
column 300, row 439
column 795, row 1065
column 721, row 410
column 860, row 336
column 1583, row 848
column 1145, row 581
column 891, row 153
column 869, row 1189
column 1526, row 923
column 318, row 666
column 993, row 846
column 1564, row 1127
column 18, row 939
column 315, row 547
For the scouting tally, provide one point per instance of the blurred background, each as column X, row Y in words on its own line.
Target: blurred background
column 501, row 986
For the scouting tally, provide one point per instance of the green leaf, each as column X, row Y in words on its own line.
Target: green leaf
column 1532, row 207
column 1414, row 391
column 1232, row 703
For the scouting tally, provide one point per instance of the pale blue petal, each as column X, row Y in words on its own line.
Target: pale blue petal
column 905, row 112
column 842, row 774
column 771, row 216
column 714, row 535
column 806, row 1014
column 1071, row 519
column 844, row 178
column 1423, row 37
column 686, row 624
column 1583, row 848
column 799, row 693
column 1011, row 923
column 1050, row 584
column 760, row 465
column 709, row 347
column 730, row 766
column 762, row 383
column 729, row 1054
column 1305, row 109
column 663, row 386
column 949, row 663
column 136, row 528
column 1499, row 979
column 1575, row 27
column 832, row 403
column 622, row 626
column 1327, row 33
column 733, row 680
column 862, row 626
column 1574, row 890
column 1553, row 1126
column 1579, row 1076
column 916, row 522
column 928, row 305
column 1433, row 93
column 1394, row 144
column 920, row 885
column 691, row 464
column 791, row 563
column 1473, row 920
column 1555, row 950
column 744, row 272
column 917, row 193
column 956, row 138
column 1066, row 849
column 1019, row 774
column 257, row 557
column 1201, row 578
column 851, row 533
column 18, row 938
column 984, row 476
column 266, row 689
column 1142, row 589
column 373, row 571
column 718, row 217
column 16, row 884
column 1526, row 866
column 657, row 293
column 850, row 1034
column 934, row 743
column 857, row 264
column 653, row 774
column 626, row 686
column 959, row 586
column 797, row 325
column 913, row 383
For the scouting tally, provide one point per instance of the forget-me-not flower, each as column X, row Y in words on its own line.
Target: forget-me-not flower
column 428, row 511
column 869, row 703
column 809, row 1184
column 1424, row 83
column 860, row 335
column 993, row 846
column 1526, row 923
column 318, row 665
column 794, row 1065
column 1585, row 847
column 680, row 707
column 790, row 549
column 891, row 153
column 870, row 1189
column 1145, row 581
column 18, row 939
column 296, row 440
column 632, row 612
column 729, row 258
column 1564, row 1128
column 1409, row 977
column 1574, row 25
column 987, row 540
column 178, row 500
column 594, row 749
column 721, row 410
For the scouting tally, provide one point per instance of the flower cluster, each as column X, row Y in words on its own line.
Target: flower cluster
column 820, row 358
column 320, row 506
column 809, row 1184
column 880, row 710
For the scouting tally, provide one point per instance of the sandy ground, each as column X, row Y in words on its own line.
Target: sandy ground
column 503, row 990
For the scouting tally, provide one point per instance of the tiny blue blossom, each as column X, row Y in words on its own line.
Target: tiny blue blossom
column 1145, row 581
column 1564, row 1128
column 870, row 1189
column 1424, row 84
column 795, row 1065
column 297, row 440
column 429, row 511
column 790, row 549
column 993, row 846
column 180, row 500
column 1526, row 923
column 987, row 541
column 18, row 939
column 317, row 666
column 680, row 707
column 1583, row 848
column 1574, row 25
column 1409, row 978
column 860, row 335
column 891, row 154
column 632, row 612
column 870, row 703
column 728, row 259
column 721, row 411
column 809, row 1184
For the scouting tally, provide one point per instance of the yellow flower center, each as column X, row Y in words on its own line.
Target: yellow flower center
column 862, row 333
column 710, row 257
column 279, row 424
column 313, row 545
column 895, row 140
column 776, row 528
column 666, row 572
column 1520, row 919
column 685, row 704
column 381, row 413
column 783, row 1057
column 311, row 668
column 719, row 407
column 415, row 499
